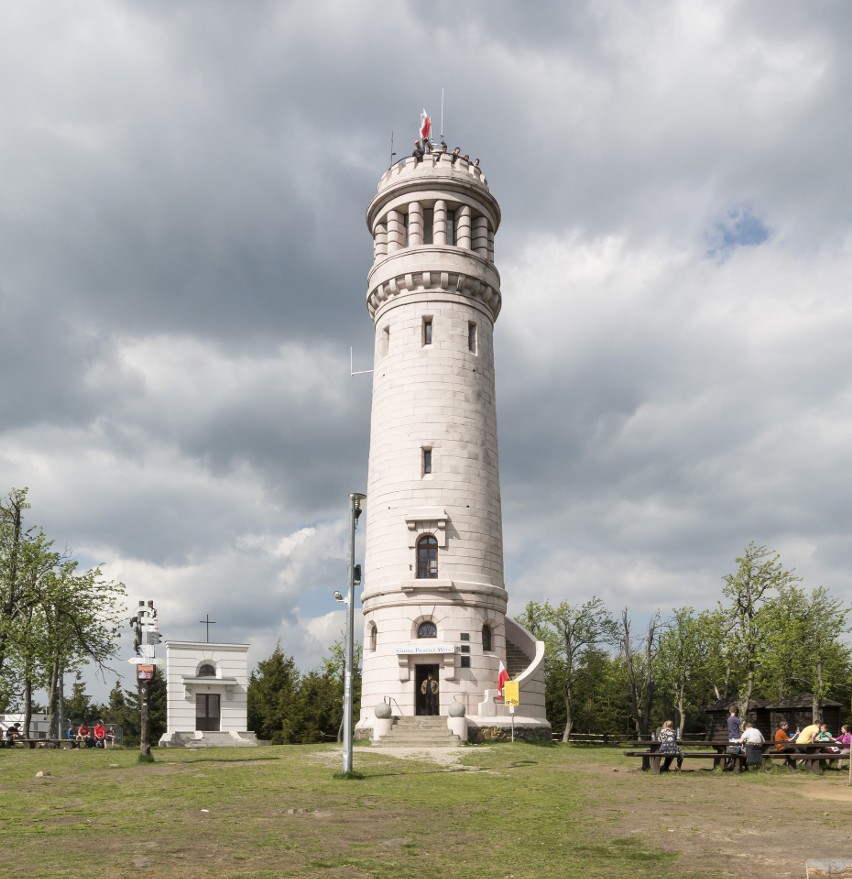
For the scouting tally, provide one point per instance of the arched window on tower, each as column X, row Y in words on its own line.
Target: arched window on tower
column 486, row 638
column 206, row 670
column 427, row 558
column 427, row 630
column 373, row 636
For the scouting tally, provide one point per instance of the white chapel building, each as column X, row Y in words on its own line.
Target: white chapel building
column 434, row 598
column 206, row 693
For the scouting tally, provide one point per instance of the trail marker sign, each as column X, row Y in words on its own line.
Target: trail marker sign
column 511, row 693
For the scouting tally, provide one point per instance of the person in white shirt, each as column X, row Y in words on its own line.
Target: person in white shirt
column 752, row 740
column 751, row 735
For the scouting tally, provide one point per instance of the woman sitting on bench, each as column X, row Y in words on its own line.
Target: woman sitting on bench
column 668, row 746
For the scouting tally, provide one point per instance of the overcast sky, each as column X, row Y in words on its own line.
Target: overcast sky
column 183, row 259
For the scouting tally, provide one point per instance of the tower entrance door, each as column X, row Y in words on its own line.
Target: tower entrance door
column 427, row 696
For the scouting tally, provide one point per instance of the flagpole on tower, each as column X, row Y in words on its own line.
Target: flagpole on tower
column 442, row 115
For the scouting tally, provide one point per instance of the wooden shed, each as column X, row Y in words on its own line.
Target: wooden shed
column 767, row 714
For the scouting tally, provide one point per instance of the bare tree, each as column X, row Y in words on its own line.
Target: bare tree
column 639, row 664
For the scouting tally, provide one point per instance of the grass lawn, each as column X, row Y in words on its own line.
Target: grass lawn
column 508, row 811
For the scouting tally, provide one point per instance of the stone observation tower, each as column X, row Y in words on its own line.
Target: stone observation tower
column 434, row 598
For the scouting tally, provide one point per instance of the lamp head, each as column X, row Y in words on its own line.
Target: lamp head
column 338, row 597
column 356, row 500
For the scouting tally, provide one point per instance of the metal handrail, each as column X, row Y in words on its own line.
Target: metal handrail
column 392, row 701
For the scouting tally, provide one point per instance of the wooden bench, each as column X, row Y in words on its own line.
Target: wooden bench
column 813, row 762
column 42, row 743
column 652, row 759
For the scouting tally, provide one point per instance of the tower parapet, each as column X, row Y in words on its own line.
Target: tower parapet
column 433, row 224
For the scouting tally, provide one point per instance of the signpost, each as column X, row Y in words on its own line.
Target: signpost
column 512, row 697
column 145, row 623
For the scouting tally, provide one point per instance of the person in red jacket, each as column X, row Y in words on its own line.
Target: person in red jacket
column 100, row 734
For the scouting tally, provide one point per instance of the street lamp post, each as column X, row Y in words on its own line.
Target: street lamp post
column 355, row 501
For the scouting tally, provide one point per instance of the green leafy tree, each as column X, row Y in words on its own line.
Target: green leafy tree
column 601, row 704
column 759, row 577
column 333, row 667
column 573, row 633
column 534, row 620
column 685, row 665
column 26, row 558
column 53, row 618
column 804, row 644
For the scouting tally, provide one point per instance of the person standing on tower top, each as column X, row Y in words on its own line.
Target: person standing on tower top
column 425, row 131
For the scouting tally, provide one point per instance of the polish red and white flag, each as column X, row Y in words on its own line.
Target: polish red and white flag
column 425, row 125
column 502, row 677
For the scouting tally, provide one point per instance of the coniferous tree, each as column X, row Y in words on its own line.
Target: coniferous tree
column 78, row 706
column 157, row 711
column 272, row 692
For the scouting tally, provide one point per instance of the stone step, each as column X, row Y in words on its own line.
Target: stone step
column 419, row 732
column 516, row 660
column 219, row 740
column 392, row 741
column 436, row 722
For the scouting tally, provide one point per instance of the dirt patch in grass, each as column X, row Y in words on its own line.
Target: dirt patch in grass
column 760, row 824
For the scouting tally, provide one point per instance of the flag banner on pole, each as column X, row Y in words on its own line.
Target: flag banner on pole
column 425, row 125
column 502, row 677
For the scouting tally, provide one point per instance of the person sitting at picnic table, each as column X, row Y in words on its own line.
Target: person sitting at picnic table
column 828, row 739
column 783, row 743
column 83, row 733
column 69, row 734
column 808, row 735
column 13, row 734
column 751, row 735
column 752, row 741
column 110, row 737
column 669, row 747
column 100, row 734
column 844, row 740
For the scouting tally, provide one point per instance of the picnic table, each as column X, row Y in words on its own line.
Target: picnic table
column 812, row 755
column 711, row 750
